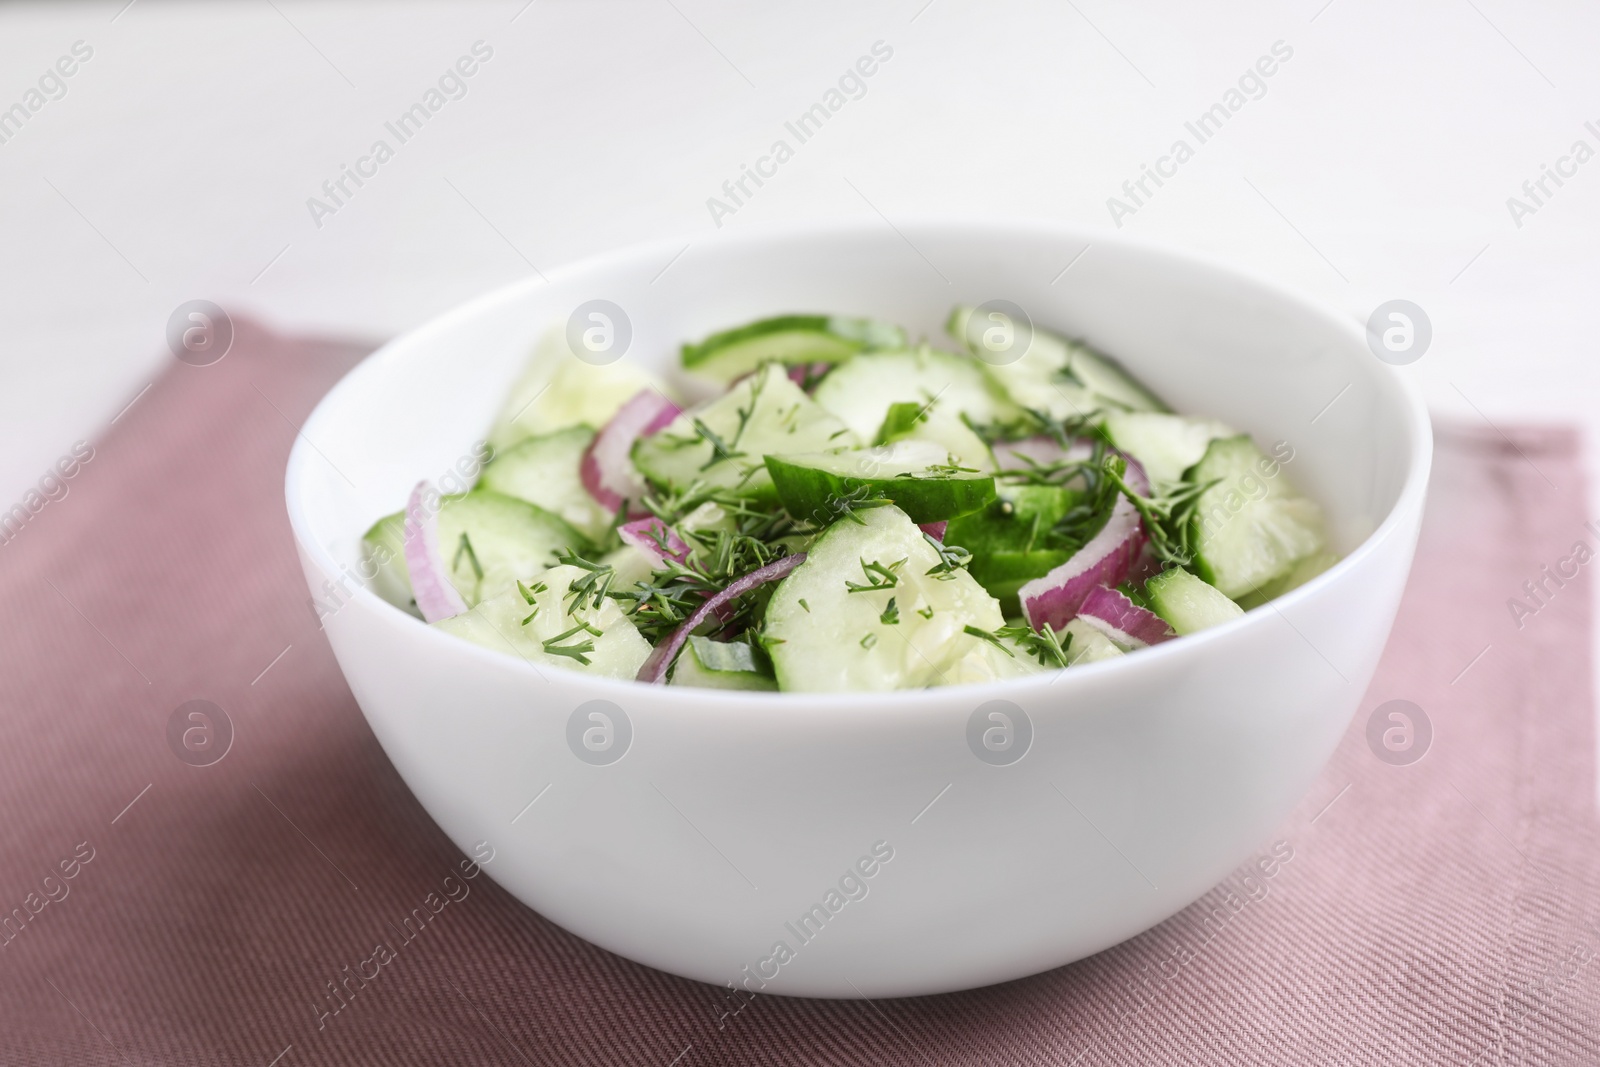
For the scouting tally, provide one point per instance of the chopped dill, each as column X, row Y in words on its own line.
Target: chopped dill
column 878, row 577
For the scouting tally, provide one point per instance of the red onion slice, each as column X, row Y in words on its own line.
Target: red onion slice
column 1127, row 624
column 655, row 539
column 800, row 373
column 607, row 465
column 430, row 582
column 655, row 668
column 935, row 530
column 1147, row 566
column 1108, row 559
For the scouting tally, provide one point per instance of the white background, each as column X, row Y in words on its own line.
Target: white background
column 193, row 138
column 1377, row 165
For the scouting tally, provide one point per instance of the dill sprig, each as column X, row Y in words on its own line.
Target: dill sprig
column 578, row 650
column 464, row 548
column 1087, row 514
column 1036, row 422
column 720, row 449
column 673, row 506
column 724, row 450
column 715, row 558
column 611, row 540
column 951, row 558
column 950, row 468
column 1068, row 428
column 878, row 576
column 985, row 635
column 1168, row 517
column 592, row 588
column 1084, row 472
column 530, row 594
column 844, row 506
column 1044, row 645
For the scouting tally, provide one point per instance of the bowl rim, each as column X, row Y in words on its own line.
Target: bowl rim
column 1414, row 413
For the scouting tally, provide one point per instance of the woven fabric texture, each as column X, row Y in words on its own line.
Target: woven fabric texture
column 1444, row 912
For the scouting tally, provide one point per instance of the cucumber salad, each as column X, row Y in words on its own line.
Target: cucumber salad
column 845, row 510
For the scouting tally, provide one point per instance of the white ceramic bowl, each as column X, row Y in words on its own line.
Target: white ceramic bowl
column 731, row 815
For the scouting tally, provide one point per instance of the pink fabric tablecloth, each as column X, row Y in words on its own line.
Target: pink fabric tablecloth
column 1443, row 912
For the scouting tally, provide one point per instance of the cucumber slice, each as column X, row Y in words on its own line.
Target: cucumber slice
column 1250, row 527
column 862, row 391
column 507, row 622
column 910, row 421
column 824, row 638
column 488, row 541
column 1005, row 539
column 629, row 566
column 1165, row 445
column 721, row 665
column 1088, row 645
column 1015, row 522
column 559, row 390
column 544, row 471
column 1064, row 378
column 915, row 475
column 901, row 420
column 1302, row 573
column 987, row 663
column 1102, row 375
column 787, row 339
column 1188, row 604
column 1036, row 380
column 383, row 555
column 765, row 414
column 1004, row 574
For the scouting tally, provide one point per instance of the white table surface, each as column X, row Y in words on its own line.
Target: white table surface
column 1377, row 165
